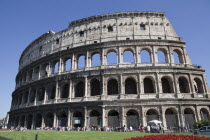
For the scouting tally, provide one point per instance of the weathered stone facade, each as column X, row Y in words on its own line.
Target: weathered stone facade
column 50, row 94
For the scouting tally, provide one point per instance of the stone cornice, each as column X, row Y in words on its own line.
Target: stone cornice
column 116, row 15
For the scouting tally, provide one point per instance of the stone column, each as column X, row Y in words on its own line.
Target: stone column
column 69, row 117
column 122, row 117
column 137, row 55
column 56, row 91
column 144, row 120
column 121, row 87
column 103, row 58
column 119, row 56
column 85, row 116
column 35, row 98
column 54, row 120
column 181, row 115
column 33, row 125
column 169, row 55
column 60, row 67
column 39, row 72
column 184, row 53
column 103, row 116
column 204, row 84
column 139, row 85
column 171, row 58
column 49, row 69
column 154, row 56
column 158, row 84
column 87, row 60
column 197, row 113
column 43, row 123
column 73, row 62
column 45, row 94
column 103, row 87
column 176, row 83
column 163, row 117
column 191, row 83
column 70, row 90
column 86, row 87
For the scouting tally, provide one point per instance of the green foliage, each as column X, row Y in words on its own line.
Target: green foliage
column 201, row 123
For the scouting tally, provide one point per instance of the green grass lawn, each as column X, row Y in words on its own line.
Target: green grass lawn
column 69, row 135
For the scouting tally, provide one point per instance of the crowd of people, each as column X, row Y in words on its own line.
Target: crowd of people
column 147, row 129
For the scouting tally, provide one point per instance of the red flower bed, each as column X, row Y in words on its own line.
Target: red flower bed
column 168, row 137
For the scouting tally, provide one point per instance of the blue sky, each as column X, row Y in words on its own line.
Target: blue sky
column 22, row 21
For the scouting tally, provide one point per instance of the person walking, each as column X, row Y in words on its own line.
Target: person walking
column 131, row 128
column 148, row 129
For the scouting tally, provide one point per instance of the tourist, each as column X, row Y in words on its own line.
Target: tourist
column 142, row 129
column 131, row 128
column 148, row 129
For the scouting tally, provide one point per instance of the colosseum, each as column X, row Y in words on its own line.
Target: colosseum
column 115, row 69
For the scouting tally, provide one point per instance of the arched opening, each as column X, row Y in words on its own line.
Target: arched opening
column 41, row 94
column 152, row 114
column 132, row 119
column 16, row 121
column 204, row 114
column 95, row 119
column 55, row 67
column 112, row 87
column 95, row 87
column 148, row 86
column 177, row 57
column 111, row 58
column 65, row 91
column 25, row 100
column 110, row 29
column 183, row 85
column 128, row 57
column 78, row 119
column 45, row 70
column 22, row 121
column 20, row 99
column 145, row 56
column 189, row 117
column 29, row 124
column 38, row 120
column 162, row 57
column 95, row 60
column 79, row 89
column 167, row 86
column 52, row 93
column 62, row 119
column 67, row 65
column 49, row 120
column 30, row 75
column 81, row 62
column 130, row 86
column 32, row 95
column 198, row 86
column 171, row 118
column 113, row 119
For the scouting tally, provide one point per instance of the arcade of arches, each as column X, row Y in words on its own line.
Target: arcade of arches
column 88, row 87
column 106, row 116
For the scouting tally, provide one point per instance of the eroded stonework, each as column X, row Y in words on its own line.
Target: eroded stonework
column 49, row 93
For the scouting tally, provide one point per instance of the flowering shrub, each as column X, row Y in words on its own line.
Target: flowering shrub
column 168, row 137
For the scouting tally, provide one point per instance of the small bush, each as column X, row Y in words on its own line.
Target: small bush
column 201, row 123
column 168, row 137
